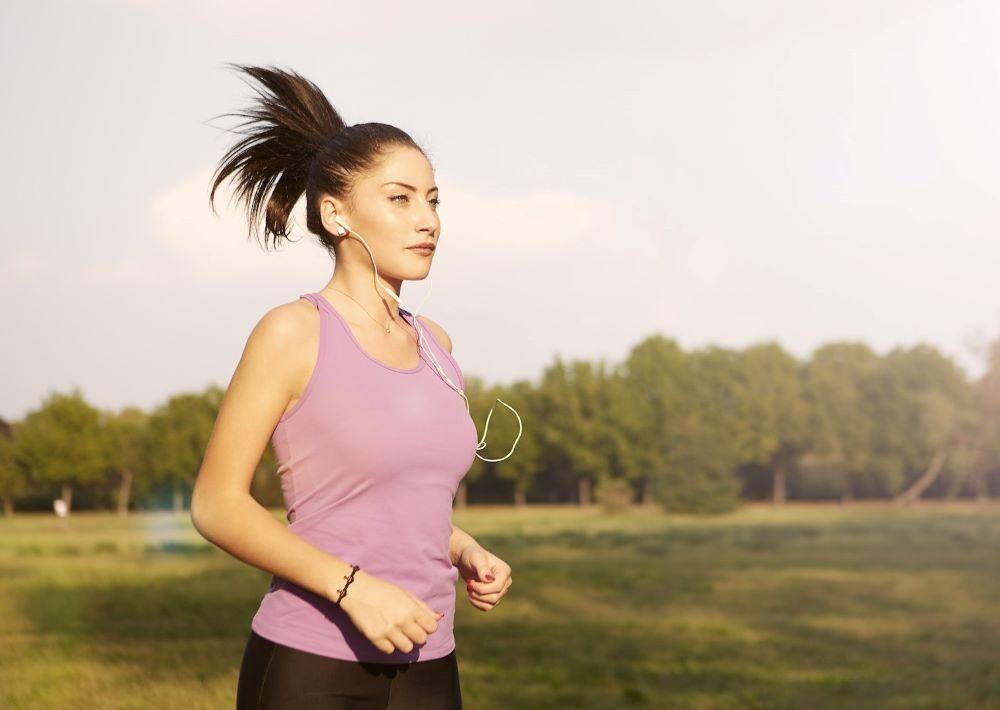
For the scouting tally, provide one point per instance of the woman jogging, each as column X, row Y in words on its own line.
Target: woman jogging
column 365, row 408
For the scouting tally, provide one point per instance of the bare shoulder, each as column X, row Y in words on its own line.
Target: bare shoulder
column 437, row 331
column 283, row 345
column 282, row 350
column 284, row 325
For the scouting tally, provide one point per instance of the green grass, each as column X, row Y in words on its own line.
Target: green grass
column 811, row 606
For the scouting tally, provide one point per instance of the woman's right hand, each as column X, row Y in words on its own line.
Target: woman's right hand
column 388, row 615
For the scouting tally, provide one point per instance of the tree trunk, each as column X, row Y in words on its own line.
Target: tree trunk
column 981, row 485
column 584, row 491
column 846, row 494
column 124, row 492
column 520, row 500
column 778, row 494
column 645, row 492
column 462, row 495
column 178, row 498
column 67, row 495
column 911, row 494
column 8, row 506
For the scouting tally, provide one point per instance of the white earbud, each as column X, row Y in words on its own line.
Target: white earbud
column 343, row 231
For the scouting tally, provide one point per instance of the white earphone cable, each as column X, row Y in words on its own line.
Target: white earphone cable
column 433, row 357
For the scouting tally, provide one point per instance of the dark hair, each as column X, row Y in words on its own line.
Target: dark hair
column 297, row 142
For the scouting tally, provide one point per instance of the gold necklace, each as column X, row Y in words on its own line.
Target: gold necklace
column 388, row 326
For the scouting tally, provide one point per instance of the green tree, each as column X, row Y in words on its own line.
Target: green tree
column 712, row 436
column 178, row 433
column 648, row 406
column 63, row 443
column 13, row 476
column 774, row 412
column 986, row 398
column 127, row 453
column 576, row 432
column 923, row 412
column 839, row 429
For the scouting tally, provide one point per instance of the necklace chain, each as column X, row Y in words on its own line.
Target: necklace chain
column 388, row 326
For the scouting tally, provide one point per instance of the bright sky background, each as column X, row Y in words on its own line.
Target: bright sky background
column 718, row 172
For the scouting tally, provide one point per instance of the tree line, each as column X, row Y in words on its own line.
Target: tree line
column 690, row 431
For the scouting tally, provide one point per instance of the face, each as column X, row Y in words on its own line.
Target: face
column 395, row 207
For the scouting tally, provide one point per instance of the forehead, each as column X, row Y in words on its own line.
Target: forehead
column 405, row 165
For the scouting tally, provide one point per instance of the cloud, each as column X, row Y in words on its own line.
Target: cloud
column 24, row 264
column 218, row 246
column 708, row 261
column 529, row 223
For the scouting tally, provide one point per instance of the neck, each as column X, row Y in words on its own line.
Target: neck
column 359, row 282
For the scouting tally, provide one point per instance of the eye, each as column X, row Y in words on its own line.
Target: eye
column 405, row 197
column 436, row 201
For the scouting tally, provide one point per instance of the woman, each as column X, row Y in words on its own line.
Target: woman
column 371, row 434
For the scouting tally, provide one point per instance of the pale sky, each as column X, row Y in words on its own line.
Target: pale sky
column 717, row 172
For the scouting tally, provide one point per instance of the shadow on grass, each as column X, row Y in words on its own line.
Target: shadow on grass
column 726, row 615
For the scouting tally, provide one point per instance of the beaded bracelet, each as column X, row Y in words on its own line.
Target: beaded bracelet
column 349, row 578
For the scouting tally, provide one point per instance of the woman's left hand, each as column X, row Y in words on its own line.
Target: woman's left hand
column 487, row 577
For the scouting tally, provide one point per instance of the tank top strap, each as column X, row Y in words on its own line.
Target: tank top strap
column 332, row 327
column 323, row 306
column 446, row 359
column 313, row 299
column 327, row 329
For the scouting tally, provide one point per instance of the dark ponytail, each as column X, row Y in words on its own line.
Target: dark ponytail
column 297, row 142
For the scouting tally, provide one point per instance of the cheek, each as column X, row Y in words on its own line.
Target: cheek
column 392, row 220
column 381, row 214
column 381, row 228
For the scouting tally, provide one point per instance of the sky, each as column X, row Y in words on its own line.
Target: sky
column 716, row 172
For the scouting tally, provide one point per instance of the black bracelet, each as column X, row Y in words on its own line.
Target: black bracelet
column 349, row 578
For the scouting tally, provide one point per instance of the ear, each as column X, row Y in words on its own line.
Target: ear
column 329, row 210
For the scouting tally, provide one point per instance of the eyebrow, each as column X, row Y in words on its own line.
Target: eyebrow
column 411, row 187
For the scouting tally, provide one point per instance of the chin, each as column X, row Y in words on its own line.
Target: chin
column 408, row 274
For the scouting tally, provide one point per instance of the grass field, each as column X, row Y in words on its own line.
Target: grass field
column 810, row 606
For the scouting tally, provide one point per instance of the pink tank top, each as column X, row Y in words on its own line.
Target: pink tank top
column 370, row 458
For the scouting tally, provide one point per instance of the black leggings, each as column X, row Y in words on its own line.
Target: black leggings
column 273, row 675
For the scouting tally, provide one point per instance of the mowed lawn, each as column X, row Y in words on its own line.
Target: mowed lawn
column 809, row 606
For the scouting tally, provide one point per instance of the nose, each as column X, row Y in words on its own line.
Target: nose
column 428, row 222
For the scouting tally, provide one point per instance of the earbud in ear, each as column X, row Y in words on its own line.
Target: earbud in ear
column 342, row 231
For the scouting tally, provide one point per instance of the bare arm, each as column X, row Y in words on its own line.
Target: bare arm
column 277, row 359
column 458, row 542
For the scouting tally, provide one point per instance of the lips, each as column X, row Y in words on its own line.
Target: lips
column 423, row 246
